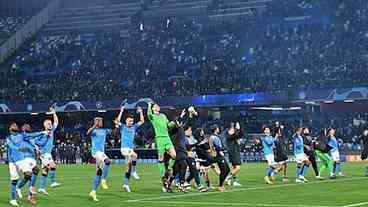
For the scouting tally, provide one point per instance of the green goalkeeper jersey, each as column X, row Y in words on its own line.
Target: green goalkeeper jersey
column 160, row 124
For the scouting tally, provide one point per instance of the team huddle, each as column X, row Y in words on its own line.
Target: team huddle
column 185, row 153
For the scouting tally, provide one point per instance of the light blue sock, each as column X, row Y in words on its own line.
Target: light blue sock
column 13, row 190
column 43, row 181
column 126, row 178
column 33, row 181
column 305, row 170
column 105, row 171
column 338, row 168
column 96, row 182
column 53, row 175
column 21, row 183
column 269, row 172
column 298, row 171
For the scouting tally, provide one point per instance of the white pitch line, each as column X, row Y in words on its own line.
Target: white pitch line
column 357, row 204
column 234, row 204
column 244, row 189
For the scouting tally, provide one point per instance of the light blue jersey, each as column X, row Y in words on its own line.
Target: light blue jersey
column 298, row 144
column 127, row 135
column 332, row 142
column 268, row 143
column 98, row 137
column 20, row 147
column 46, row 142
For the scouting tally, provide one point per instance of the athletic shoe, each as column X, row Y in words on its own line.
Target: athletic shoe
column 135, row 176
column 342, row 174
column 186, row 184
column 55, row 184
column 104, row 184
column 236, row 184
column 182, row 189
column 19, row 193
column 43, row 191
column 93, row 196
column 303, row 178
column 14, row 203
column 169, row 190
column 273, row 178
column 319, row 177
column 299, row 180
column 31, row 200
column 228, row 180
column 267, row 180
column 164, row 190
column 127, row 188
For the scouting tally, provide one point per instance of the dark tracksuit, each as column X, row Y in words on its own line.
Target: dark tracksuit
column 217, row 148
column 233, row 147
column 191, row 143
column 309, row 151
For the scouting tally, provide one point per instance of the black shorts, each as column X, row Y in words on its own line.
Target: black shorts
column 234, row 158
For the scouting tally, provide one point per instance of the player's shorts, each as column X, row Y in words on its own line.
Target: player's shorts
column 335, row 156
column 26, row 165
column 163, row 144
column 270, row 159
column 234, row 158
column 100, row 158
column 13, row 171
column 126, row 152
column 300, row 158
column 46, row 159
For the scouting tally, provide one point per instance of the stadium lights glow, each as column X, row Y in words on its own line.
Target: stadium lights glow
column 34, row 114
column 349, row 101
column 277, row 108
column 311, row 102
column 101, row 111
column 328, row 102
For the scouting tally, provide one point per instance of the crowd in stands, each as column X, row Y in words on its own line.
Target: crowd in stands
column 9, row 25
column 178, row 57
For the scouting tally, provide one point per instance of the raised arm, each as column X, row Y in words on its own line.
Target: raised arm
column 55, row 117
column 149, row 111
column 92, row 128
column 118, row 118
column 141, row 115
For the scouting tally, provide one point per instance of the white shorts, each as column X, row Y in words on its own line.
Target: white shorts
column 126, row 152
column 13, row 170
column 270, row 159
column 46, row 159
column 100, row 159
column 300, row 158
column 26, row 165
column 335, row 156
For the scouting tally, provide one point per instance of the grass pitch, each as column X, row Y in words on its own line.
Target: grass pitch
column 76, row 180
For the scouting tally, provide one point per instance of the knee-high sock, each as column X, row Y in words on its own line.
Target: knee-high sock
column 105, row 171
column 161, row 166
column 126, row 178
column 96, row 182
column 43, row 181
column 53, row 175
column 337, row 167
column 33, row 180
column 134, row 164
column 270, row 172
column 305, row 169
column 13, row 189
column 299, row 170
column 22, row 183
